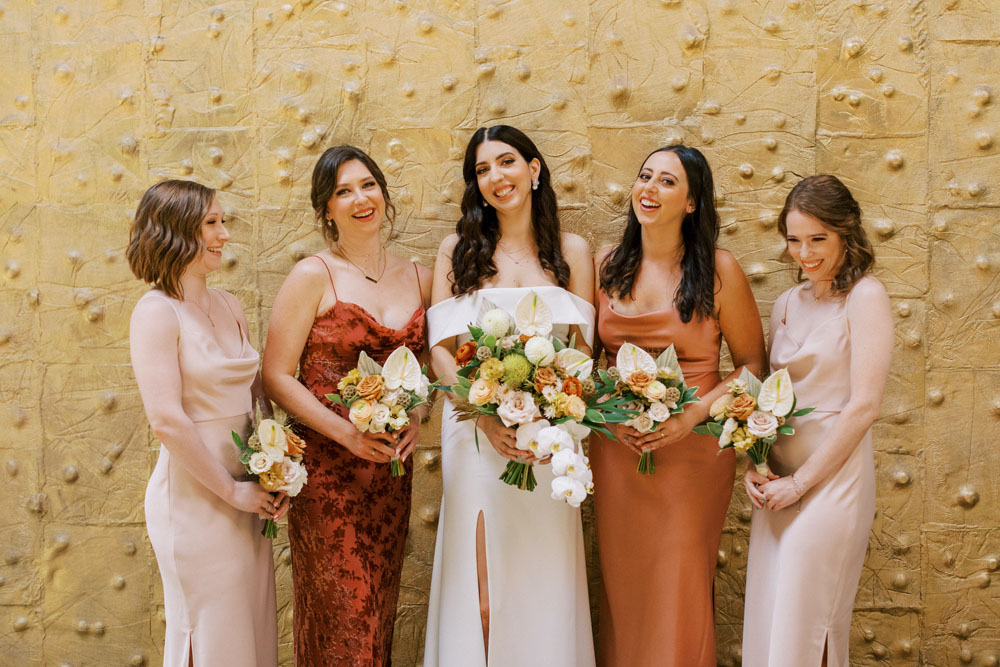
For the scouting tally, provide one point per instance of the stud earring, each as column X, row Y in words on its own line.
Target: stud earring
column 534, row 183
column 485, row 203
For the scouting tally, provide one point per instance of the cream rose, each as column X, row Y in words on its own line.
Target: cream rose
column 294, row 475
column 655, row 390
column 361, row 414
column 643, row 423
column 762, row 424
column 518, row 408
column 659, row 412
column 380, row 417
column 260, row 462
column 720, row 406
column 482, row 391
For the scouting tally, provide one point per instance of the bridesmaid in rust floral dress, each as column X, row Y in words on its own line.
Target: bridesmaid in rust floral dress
column 348, row 526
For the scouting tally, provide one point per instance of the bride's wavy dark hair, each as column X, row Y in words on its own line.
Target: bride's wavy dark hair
column 479, row 231
column 699, row 232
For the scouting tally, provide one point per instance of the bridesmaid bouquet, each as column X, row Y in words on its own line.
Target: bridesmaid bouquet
column 379, row 398
column 652, row 390
column 514, row 369
column 751, row 415
column 273, row 454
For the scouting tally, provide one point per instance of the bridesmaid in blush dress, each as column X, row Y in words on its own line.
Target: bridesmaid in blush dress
column 658, row 535
column 809, row 531
column 348, row 527
column 197, row 375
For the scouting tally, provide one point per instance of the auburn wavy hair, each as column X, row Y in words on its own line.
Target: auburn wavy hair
column 827, row 199
column 479, row 230
column 166, row 233
column 324, row 181
column 699, row 231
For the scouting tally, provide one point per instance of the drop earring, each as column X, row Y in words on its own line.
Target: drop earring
column 485, row 203
column 534, row 183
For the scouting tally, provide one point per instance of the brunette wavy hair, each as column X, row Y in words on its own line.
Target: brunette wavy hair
column 699, row 231
column 166, row 233
column 479, row 230
column 324, row 181
column 827, row 199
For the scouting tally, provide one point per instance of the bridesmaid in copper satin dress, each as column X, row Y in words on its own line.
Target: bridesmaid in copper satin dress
column 658, row 535
column 813, row 515
column 348, row 527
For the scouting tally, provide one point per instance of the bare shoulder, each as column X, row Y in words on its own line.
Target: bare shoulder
column 867, row 293
column 231, row 299
column 447, row 246
column 603, row 253
column 726, row 263
column 154, row 307
column 574, row 245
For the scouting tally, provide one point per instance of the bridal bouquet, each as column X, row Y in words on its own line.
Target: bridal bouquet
column 750, row 416
column 514, row 369
column 274, row 455
column 652, row 390
column 379, row 398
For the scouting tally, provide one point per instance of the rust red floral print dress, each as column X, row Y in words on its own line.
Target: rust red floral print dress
column 348, row 527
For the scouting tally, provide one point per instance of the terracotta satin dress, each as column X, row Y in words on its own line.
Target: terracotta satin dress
column 347, row 529
column 658, row 535
column 805, row 561
column 217, row 569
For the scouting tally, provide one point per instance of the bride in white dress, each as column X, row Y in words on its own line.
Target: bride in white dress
column 509, row 586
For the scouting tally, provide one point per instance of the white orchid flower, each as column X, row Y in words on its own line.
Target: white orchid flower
column 552, row 439
column 576, row 430
column 526, row 434
column 572, row 361
column 532, row 316
column 572, row 491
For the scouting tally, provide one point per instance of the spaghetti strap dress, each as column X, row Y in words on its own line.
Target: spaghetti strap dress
column 347, row 528
column 658, row 535
column 216, row 567
column 536, row 573
column 804, row 562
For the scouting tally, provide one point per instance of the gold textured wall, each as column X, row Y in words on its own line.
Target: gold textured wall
column 101, row 98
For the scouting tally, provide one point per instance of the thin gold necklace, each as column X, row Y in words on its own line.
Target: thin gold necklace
column 363, row 272
column 208, row 313
column 516, row 260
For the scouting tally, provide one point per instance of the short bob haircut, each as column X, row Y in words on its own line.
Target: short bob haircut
column 324, row 182
column 166, row 233
column 827, row 199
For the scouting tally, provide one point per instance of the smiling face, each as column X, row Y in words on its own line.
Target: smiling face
column 660, row 193
column 213, row 237
column 818, row 250
column 503, row 175
column 357, row 201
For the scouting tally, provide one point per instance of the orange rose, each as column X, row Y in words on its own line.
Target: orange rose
column 524, row 339
column 639, row 380
column 572, row 386
column 465, row 353
column 742, row 406
column 370, row 387
column 545, row 377
column 294, row 445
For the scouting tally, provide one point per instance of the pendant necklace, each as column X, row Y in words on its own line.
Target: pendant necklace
column 363, row 272
column 516, row 260
column 207, row 313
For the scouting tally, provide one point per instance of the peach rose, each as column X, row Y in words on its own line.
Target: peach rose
column 572, row 386
column 742, row 407
column 655, row 391
column 575, row 407
column 361, row 413
column 545, row 377
column 639, row 380
column 370, row 387
column 482, row 392
column 294, row 445
column 465, row 353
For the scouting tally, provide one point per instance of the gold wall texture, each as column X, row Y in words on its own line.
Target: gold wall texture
column 101, row 98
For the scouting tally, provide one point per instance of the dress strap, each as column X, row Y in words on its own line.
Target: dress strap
column 327, row 267
column 420, row 289
column 239, row 326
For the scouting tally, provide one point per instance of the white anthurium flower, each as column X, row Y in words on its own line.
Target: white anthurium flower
column 495, row 322
column 667, row 366
column 539, row 351
column 526, row 435
column 423, row 388
column 632, row 359
column 260, row 463
column 551, row 439
column 727, row 432
column 576, row 430
column 272, row 438
column 401, row 370
column 776, row 394
column 532, row 316
column 572, row 491
column 572, row 361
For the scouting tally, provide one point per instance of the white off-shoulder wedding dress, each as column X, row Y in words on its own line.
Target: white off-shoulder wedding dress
column 539, row 612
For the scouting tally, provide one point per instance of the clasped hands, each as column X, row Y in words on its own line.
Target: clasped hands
column 383, row 447
column 771, row 492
